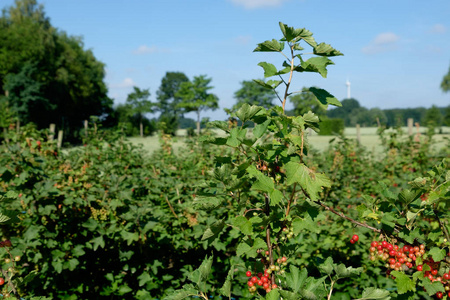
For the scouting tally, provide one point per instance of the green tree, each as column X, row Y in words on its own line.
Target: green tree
column 24, row 93
column 140, row 105
column 306, row 101
column 253, row 93
column 445, row 84
column 65, row 83
column 196, row 97
column 446, row 120
column 166, row 95
column 433, row 117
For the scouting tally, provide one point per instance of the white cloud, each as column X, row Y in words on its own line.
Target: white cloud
column 439, row 29
column 144, row 49
column 383, row 42
column 253, row 4
column 126, row 83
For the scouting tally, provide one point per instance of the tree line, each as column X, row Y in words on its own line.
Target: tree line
column 46, row 76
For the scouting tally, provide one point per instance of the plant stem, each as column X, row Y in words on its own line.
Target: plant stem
column 442, row 225
column 290, row 78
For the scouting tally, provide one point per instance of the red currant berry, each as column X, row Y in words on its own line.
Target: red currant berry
column 352, row 241
column 249, row 273
column 2, row 281
column 355, row 237
column 434, row 272
column 419, row 268
column 374, row 244
column 446, row 276
column 254, row 279
column 439, row 295
column 260, row 274
column 250, row 283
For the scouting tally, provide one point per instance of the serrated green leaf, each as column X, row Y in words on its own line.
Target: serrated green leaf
column 270, row 84
column 296, row 278
column 188, row 291
column 324, row 97
column 407, row 196
column 342, row 271
column 246, row 112
column 269, row 46
column 273, row 295
column 269, row 69
column 374, row 293
column 225, row 290
column 327, row 266
column 315, row 64
column 244, row 225
column 404, row 282
column 437, row 254
column 212, row 232
column 311, row 182
column 326, row 50
column 432, row 287
column 260, row 129
column 263, row 183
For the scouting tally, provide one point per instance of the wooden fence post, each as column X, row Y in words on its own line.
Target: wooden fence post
column 410, row 126
column 60, row 138
column 358, row 133
column 86, row 128
column 52, row 132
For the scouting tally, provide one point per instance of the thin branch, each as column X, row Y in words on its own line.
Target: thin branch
column 442, row 225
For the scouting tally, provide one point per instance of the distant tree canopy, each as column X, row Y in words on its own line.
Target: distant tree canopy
column 353, row 113
column 445, row 84
column 254, row 94
column 306, row 101
column 45, row 74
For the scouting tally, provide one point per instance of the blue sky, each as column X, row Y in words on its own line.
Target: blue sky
column 395, row 52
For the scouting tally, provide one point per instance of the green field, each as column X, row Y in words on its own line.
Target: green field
column 369, row 139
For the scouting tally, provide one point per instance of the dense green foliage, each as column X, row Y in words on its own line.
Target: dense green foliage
column 45, row 72
column 108, row 221
column 331, row 126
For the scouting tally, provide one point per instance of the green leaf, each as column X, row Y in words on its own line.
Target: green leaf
column 315, row 64
column 327, row 266
column 432, row 287
column 260, row 129
column 269, row 69
column 263, row 183
column 244, row 225
column 437, row 254
column 212, row 232
column 311, row 182
column 342, row 271
column 188, row 291
column 225, row 290
column 295, row 279
column 270, row 46
column 98, row 241
column 404, row 283
column 9, row 216
column 246, row 112
column 250, row 251
column 374, row 293
column 273, row 295
column 324, row 97
column 200, row 275
column 237, row 136
column 270, row 84
column 408, row 196
column 144, row 278
column 326, row 50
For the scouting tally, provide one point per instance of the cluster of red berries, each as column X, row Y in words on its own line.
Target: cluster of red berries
column 397, row 258
column 354, row 239
column 433, row 275
column 404, row 258
column 261, row 280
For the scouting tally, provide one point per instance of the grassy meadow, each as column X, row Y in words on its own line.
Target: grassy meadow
column 369, row 139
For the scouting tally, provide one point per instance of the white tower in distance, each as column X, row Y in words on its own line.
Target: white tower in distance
column 347, row 83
